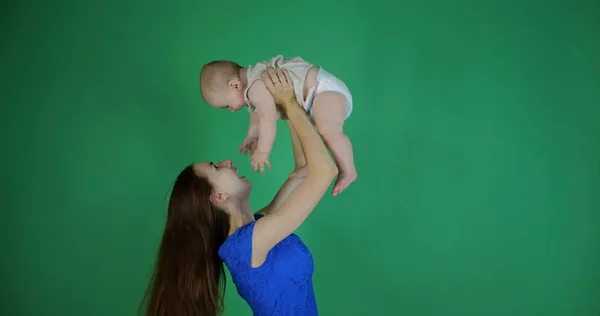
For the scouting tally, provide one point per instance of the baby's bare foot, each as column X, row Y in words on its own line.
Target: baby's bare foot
column 299, row 173
column 343, row 182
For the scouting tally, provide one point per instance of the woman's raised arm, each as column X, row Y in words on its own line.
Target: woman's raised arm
column 291, row 183
column 322, row 170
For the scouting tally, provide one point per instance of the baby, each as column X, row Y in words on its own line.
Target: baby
column 326, row 99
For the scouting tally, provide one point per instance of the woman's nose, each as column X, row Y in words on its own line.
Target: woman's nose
column 226, row 163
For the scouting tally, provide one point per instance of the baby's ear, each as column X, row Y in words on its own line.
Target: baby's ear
column 235, row 84
column 218, row 198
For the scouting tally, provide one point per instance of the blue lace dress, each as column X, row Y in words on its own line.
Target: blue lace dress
column 282, row 285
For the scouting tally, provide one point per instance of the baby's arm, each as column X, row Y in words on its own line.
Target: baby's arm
column 249, row 143
column 266, row 113
column 253, row 127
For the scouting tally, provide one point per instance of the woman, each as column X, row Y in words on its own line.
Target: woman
column 209, row 223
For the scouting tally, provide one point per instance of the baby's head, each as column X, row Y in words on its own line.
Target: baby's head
column 221, row 86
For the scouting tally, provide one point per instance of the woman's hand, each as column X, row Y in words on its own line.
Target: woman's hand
column 279, row 84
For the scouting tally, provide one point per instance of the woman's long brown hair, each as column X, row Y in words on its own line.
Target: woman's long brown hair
column 189, row 276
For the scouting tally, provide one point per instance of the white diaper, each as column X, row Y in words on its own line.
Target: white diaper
column 328, row 82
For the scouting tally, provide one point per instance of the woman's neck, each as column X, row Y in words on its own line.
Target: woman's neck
column 240, row 214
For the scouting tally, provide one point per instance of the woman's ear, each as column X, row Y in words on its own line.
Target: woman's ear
column 218, row 198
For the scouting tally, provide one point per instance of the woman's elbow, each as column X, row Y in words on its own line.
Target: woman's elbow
column 327, row 171
column 333, row 170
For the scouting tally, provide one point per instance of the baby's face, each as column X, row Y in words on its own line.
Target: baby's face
column 235, row 100
column 232, row 100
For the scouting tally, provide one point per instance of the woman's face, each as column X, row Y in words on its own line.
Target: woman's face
column 224, row 178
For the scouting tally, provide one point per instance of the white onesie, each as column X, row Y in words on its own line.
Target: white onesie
column 298, row 68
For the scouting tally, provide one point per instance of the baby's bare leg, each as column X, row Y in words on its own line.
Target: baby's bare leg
column 329, row 110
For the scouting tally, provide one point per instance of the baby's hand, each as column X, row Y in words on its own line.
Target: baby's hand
column 259, row 160
column 249, row 145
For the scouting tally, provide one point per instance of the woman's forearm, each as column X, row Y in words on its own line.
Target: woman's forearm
column 290, row 184
column 316, row 154
column 299, row 159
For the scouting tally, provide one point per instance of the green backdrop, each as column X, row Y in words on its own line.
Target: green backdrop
column 476, row 131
